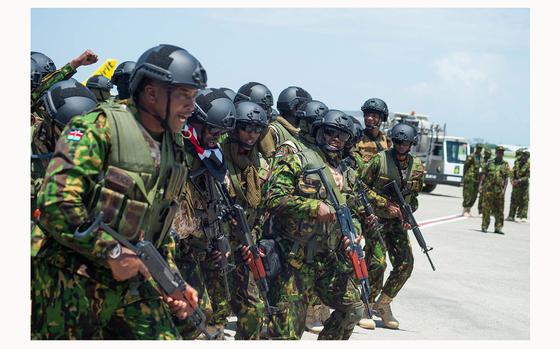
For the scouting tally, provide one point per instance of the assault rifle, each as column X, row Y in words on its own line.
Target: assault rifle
column 171, row 282
column 369, row 211
column 242, row 230
column 218, row 241
column 344, row 219
column 394, row 193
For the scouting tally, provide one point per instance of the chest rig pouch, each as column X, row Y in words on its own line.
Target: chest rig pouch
column 138, row 191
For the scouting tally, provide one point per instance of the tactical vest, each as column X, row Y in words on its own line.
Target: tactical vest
column 368, row 147
column 282, row 134
column 388, row 171
column 308, row 233
column 136, row 199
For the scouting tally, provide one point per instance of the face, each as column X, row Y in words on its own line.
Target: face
column 499, row 154
column 372, row 119
column 402, row 147
column 211, row 136
column 477, row 150
column 334, row 137
column 249, row 133
column 181, row 103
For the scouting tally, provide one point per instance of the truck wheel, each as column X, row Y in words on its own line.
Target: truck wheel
column 428, row 188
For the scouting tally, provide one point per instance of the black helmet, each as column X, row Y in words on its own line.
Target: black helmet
column 308, row 112
column 170, row 65
column 41, row 65
column 99, row 82
column 403, row 133
column 250, row 113
column 214, row 108
column 290, row 98
column 376, row 105
column 121, row 78
column 256, row 93
column 229, row 92
column 66, row 99
column 332, row 119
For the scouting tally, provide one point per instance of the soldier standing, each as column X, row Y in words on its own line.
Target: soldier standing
column 492, row 186
column 309, row 240
column 471, row 176
column 374, row 140
column 204, row 248
column 394, row 164
column 127, row 164
column 247, row 172
column 520, row 192
column 487, row 156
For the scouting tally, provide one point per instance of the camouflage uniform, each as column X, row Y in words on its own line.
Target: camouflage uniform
column 195, row 221
column 495, row 178
column 313, row 260
column 471, row 177
column 369, row 146
column 380, row 171
column 520, row 193
column 246, row 173
column 487, row 155
column 73, row 292
column 278, row 131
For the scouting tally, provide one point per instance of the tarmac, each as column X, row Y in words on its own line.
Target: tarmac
column 480, row 289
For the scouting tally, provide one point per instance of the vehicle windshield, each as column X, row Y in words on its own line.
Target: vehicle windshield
column 456, row 152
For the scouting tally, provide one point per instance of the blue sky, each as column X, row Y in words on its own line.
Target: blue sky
column 468, row 68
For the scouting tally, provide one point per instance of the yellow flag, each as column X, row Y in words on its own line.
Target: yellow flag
column 106, row 69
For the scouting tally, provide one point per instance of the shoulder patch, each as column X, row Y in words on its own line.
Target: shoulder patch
column 75, row 135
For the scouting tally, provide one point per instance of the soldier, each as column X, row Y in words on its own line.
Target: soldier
column 203, row 247
column 399, row 165
column 44, row 73
column 374, row 140
column 471, row 176
column 492, row 186
column 309, row 240
column 520, row 191
column 121, row 79
column 128, row 164
column 62, row 101
column 486, row 157
column 285, row 126
column 100, row 86
column 247, row 172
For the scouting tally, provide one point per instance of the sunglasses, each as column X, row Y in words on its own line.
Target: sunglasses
column 247, row 127
column 336, row 133
column 215, row 131
column 398, row 141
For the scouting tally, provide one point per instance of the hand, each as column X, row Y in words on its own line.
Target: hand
column 127, row 266
column 406, row 226
column 325, row 214
column 346, row 245
column 393, row 210
column 217, row 256
column 370, row 220
column 86, row 58
column 248, row 256
column 182, row 308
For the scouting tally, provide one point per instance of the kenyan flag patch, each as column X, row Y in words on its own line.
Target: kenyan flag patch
column 75, row 135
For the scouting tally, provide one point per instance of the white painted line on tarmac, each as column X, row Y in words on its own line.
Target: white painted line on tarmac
column 441, row 220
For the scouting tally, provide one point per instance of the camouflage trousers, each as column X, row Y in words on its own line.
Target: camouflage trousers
column 330, row 276
column 400, row 255
column 470, row 192
column 75, row 299
column 519, row 204
column 493, row 205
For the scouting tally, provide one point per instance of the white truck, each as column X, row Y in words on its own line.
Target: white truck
column 443, row 156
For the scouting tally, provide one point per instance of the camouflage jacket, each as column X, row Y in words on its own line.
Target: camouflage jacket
column 472, row 168
column 521, row 172
column 80, row 158
column 369, row 146
column 381, row 170
column 277, row 133
column 496, row 174
column 63, row 73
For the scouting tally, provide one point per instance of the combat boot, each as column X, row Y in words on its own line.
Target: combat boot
column 466, row 212
column 383, row 307
column 510, row 219
column 366, row 322
column 484, row 230
column 499, row 232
